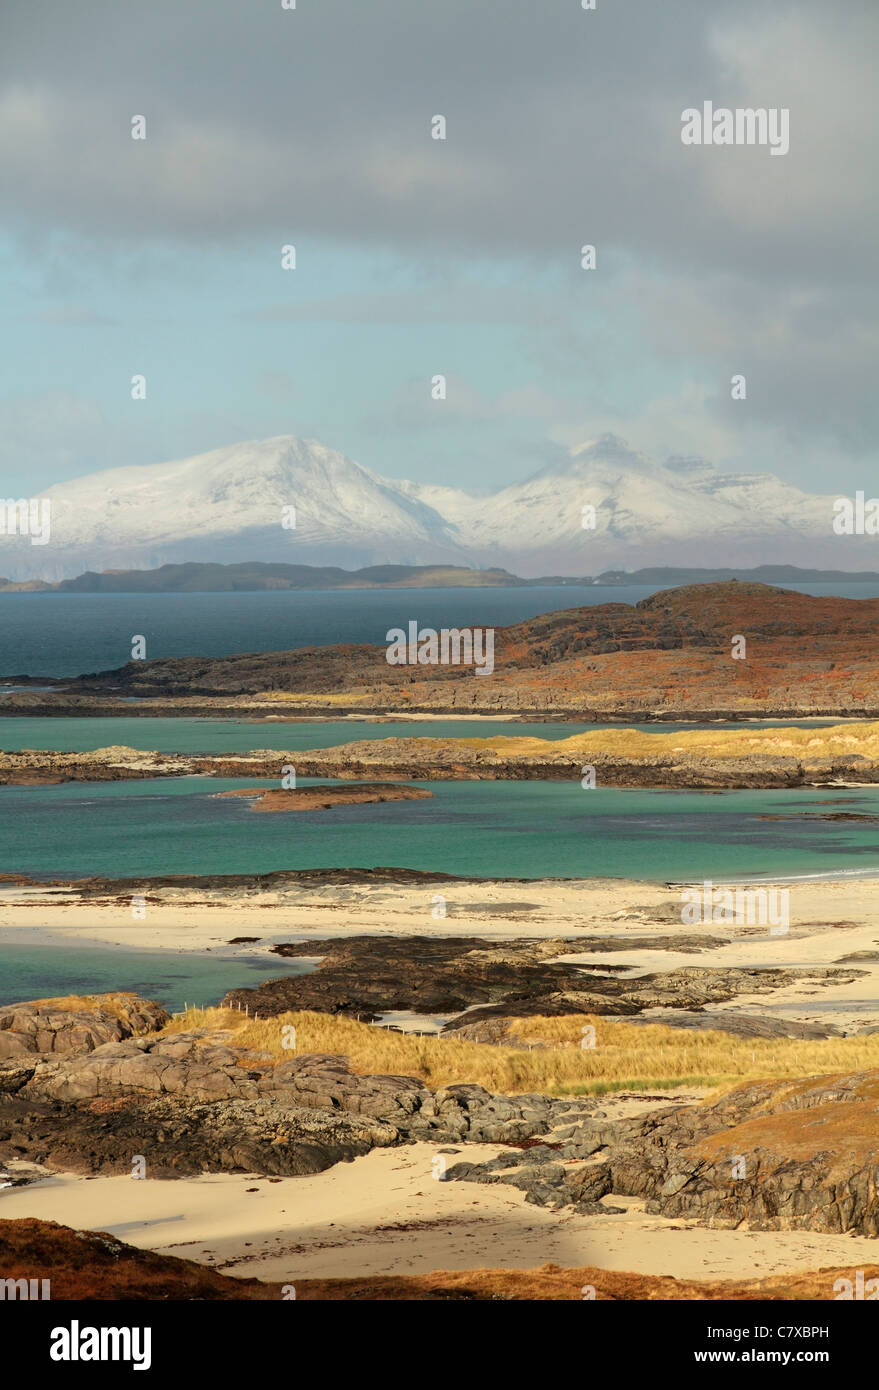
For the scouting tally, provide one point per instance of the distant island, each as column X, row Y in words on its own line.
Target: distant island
column 254, row 577
column 669, row 656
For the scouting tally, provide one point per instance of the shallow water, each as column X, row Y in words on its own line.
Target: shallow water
column 82, row 735
column 492, row 829
column 175, row 978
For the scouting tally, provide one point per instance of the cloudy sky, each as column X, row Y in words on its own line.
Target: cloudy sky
column 416, row 256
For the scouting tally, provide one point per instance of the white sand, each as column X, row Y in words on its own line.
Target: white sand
column 185, row 920
column 385, row 1214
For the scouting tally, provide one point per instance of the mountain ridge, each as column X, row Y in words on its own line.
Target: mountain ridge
column 282, row 497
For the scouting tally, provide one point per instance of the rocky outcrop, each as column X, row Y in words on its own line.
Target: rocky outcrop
column 180, row 1138
column 798, row 1155
column 366, row 976
column 693, row 759
column 325, row 798
column 244, row 885
column 741, row 1025
column 32, row 1029
column 189, row 1104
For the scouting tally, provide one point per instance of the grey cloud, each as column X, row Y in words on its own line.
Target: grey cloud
column 446, row 303
column 563, row 125
column 267, row 125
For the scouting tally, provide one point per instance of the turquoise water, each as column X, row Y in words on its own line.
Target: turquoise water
column 527, row 829
column 73, row 735
column 240, row 736
column 174, row 978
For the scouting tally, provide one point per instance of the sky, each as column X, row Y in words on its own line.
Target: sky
column 311, row 127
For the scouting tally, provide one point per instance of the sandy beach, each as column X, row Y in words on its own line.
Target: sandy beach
column 385, row 1214
column 828, row 920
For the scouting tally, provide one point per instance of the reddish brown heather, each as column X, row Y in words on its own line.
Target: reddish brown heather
column 670, row 652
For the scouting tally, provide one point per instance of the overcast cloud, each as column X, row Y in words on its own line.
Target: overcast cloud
column 313, row 126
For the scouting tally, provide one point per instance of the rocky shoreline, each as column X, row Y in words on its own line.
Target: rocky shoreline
column 484, row 983
column 255, row 709
column 777, row 1155
column 671, row 765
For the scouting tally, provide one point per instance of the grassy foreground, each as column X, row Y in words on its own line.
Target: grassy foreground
column 547, row 1056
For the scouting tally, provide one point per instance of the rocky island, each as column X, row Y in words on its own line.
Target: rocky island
column 675, row 655
column 700, row 758
column 325, row 798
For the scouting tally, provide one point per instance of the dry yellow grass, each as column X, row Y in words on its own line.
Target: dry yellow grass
column 851, row 738
column 290, row 697
column 118, row 1003
column 839, row 739
column 548, row 1057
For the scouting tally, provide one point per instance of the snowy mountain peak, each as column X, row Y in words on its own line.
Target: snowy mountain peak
column 606, row 506
column 606, row 448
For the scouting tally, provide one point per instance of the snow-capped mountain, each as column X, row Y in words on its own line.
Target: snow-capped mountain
column 270, row 499
column 606, row 506
column 643, row 512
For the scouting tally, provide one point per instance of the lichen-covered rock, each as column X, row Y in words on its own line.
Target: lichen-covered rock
column 210, row 1106
column 37, row 1028
column 797, row 1155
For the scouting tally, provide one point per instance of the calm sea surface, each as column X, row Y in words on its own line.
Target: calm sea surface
column 517, row 829
column 73, row 735
column 71, row 634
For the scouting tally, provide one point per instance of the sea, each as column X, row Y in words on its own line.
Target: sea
column 176, row 978
column 492, row 829
column 72, row 634
column 482, row 829
column 527, row 830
